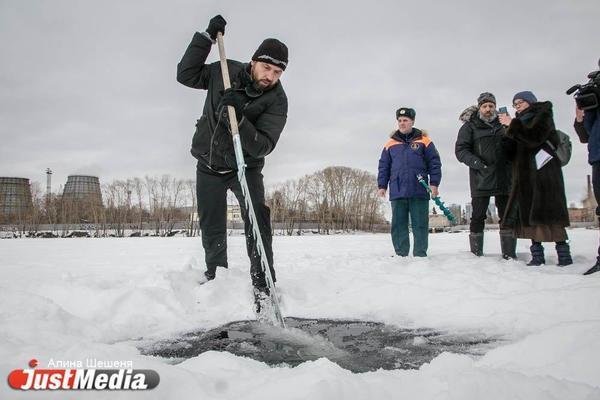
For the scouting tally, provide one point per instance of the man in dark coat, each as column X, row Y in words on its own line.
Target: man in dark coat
column 261, row 109
column 537, row 206
column 478, row 145
column 587, row 126
column 407, row 154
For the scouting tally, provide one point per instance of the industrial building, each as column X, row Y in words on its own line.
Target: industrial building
column 81, row 199
column 83, row 188
column 15, row 199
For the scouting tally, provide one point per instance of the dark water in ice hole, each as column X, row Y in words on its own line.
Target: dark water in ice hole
column 358, row 346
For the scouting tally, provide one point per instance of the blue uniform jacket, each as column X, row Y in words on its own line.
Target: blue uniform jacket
column 402, row 158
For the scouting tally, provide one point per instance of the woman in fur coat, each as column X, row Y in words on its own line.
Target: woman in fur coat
column 537, row 205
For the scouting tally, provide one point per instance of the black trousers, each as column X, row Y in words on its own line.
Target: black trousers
column 211, row 193
column 480, row 207
column 596, row 187
column 596, row 184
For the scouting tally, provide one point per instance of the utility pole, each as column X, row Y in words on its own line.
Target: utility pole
column 48, row 185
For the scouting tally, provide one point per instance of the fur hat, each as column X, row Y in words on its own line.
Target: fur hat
column 406, row 112
column 485, row 97
column 272, row 51
column 526, row 96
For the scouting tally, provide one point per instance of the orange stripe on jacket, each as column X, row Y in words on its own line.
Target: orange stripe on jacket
column 390, row 143
column 393, row 142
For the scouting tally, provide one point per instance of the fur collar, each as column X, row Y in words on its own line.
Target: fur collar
column 468, row 113
column 421, row 132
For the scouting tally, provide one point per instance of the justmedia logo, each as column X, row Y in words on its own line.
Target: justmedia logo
column 82, row 379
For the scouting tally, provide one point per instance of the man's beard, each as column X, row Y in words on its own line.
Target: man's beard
column 488, row 117
column 258, row 85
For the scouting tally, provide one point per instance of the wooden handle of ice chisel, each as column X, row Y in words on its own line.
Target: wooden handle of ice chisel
column 227, row 84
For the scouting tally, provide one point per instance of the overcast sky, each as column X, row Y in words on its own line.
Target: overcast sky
column 89, row 87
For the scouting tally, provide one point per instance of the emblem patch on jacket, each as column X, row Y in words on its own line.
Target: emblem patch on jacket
column 414, row 146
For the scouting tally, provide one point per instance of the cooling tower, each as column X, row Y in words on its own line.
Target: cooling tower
column 15, row 199
column 83, row 188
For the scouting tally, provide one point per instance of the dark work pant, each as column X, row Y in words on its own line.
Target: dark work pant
column 211, row 193
column 480, row 207
column 596, row 186
column 418, row 209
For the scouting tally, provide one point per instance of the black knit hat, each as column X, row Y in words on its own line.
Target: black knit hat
column 272, row 51
column 485, row 97
column 406, row 112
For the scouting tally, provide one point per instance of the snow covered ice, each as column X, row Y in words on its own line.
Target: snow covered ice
column 79, row 299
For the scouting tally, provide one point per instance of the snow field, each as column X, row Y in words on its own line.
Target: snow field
column 72, row 299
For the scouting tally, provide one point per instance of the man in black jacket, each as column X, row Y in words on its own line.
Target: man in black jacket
column 261, row 109
column 587, row 127
column 479, row 147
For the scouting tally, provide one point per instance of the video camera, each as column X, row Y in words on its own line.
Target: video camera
column 587, row 96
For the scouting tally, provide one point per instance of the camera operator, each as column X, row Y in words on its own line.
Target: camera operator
column 587, row 127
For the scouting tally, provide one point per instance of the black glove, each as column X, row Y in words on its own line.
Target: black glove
column 216, row 25
column 480, row 165
column 236, row 99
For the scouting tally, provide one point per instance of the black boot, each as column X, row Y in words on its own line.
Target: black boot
column 594, row 268
column 476, row 243
column 211, row 272
column 209, row 275
column 508, row 244
column 564, row 254
column 537, row 254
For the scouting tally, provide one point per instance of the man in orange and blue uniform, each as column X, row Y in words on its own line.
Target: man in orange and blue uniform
column 407, row 154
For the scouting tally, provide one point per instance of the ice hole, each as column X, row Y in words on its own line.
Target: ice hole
column 358, row 346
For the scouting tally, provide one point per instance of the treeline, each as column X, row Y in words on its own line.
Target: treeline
column 155, row 204
column 336, row 198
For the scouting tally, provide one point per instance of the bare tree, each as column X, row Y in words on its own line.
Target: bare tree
column 336, row 197
column 152, row 192
column 318, row 201
column 174, row 197
column 190, row 187
column 291, row 203
column 115, row 194
column 37, row 212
